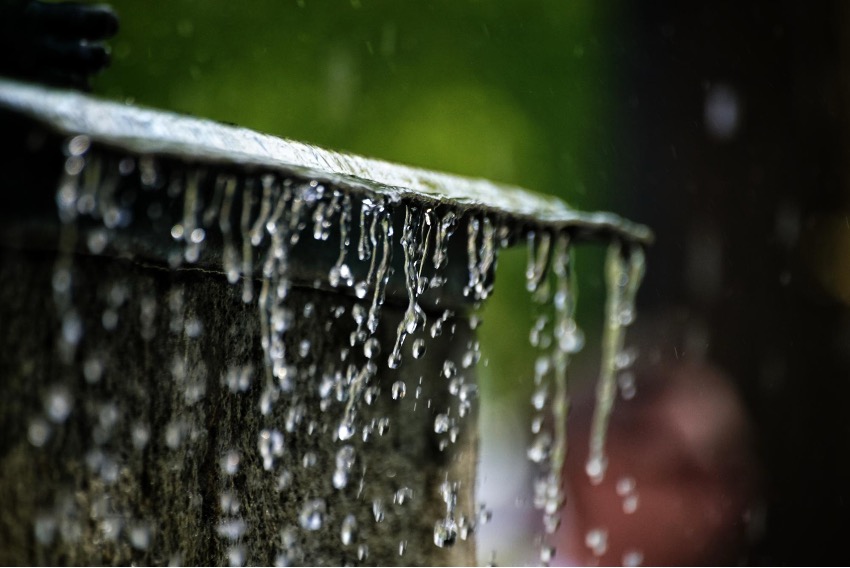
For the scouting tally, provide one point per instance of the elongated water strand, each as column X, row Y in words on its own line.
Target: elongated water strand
column 230, row 258
column 248, row 200
column 382, row 274
column 193, row 234
column 424, row 242
column 564, row 345
column 413, row 314
column 473, row 263
column 259, row 228
column 539, row 243
column 340, row 273
column 623, row 273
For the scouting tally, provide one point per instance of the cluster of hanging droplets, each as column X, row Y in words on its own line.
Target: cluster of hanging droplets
column 256, row 224
column 556, row 337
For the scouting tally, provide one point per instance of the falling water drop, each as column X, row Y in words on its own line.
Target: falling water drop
column 348, row 530
column 632, row 558
column 312, row 514
column 398, row 390
column 441, row 424
column 419, row 348
column 58, row 403
column 445, row 533
column 597, row 541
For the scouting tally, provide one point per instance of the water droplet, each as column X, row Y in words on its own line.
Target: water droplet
column 449, row 369
column 625, row 486
column 402, row 495
column 398, row 390
column 58, row 403
column 547, row 553
column 174, row 434
column 230, row 462
column 378, row 510
column 139, row 435
column 540, row 448
column 595, row 469
column 362, row 552
column 236, row 556
column 271, row 447
column 44, row 528
column 597, row 541
column 632, row 558
column 92, row 369
column 402, row 546
column 231, row 529
column 348, row 531
column 445, row 533
column 194, row 328
column 371, row 348
column 229, row 502
column 78, row 145
column 72, row 328
column 312, row 514
column 630, row 504
column 140, row 536
column 441, row 424
column 38, row 432
column 418, row 348
column 346, row 430
column 304, row 348
column 97, row 241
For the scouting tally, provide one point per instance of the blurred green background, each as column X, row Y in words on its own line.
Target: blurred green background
column 513, row 91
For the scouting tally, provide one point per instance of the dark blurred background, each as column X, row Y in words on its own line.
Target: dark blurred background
column 722, row 125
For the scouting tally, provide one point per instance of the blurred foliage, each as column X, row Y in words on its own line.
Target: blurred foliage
column 516, row 91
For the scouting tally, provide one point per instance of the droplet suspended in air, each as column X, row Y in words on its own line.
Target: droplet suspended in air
column 58, row 403
column 348, row 531
column 445, row 533
column 230, row 462
column 418, row 348
column 399, row 389
column 312, row 514
column 346, row 430
column 372, row 348
column 632, row 558
column 38, row 432
column 271, row 447
column 597, row 541
column 441, row 424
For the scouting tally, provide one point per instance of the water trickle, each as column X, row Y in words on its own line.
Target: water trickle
column 623, row 272
column 413, row 316
column 261, row 223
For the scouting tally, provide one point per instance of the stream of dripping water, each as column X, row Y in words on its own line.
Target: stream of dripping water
column 259, row 220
